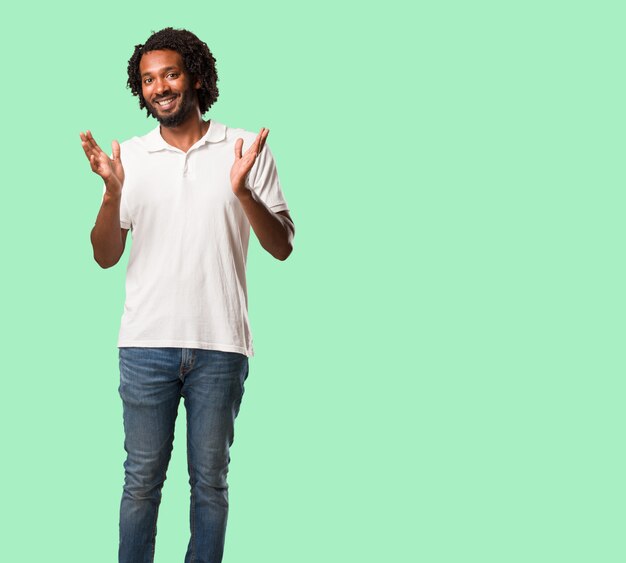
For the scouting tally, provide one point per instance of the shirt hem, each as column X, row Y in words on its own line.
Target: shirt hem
column 185, row 344
column 279, row 207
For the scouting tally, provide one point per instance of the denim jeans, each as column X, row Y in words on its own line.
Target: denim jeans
column 152, row 381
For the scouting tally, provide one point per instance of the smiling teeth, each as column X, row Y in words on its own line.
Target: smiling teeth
column 165, row 102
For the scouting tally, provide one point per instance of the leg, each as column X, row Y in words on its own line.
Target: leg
column 212, row 390
column 150, row 389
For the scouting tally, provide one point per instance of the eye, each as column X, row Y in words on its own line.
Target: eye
column 147, row 80
column 173, row 74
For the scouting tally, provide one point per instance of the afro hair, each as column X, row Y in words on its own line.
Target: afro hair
column 197, row 58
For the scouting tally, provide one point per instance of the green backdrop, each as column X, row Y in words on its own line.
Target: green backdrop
column 439, row 369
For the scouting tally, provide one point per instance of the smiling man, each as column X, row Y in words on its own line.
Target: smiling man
column 189, row 194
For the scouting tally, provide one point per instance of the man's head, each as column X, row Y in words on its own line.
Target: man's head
column 198, row 79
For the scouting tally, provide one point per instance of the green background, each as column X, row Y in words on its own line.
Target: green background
column 439, row 369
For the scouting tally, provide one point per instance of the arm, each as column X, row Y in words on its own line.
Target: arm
column 275, row 231
column 108, row 243
column 108, row 239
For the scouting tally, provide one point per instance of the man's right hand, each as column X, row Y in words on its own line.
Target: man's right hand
column 110, row 170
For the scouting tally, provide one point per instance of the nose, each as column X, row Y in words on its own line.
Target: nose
column 161, row 87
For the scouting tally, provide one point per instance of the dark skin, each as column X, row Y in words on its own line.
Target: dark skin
column 164, row 80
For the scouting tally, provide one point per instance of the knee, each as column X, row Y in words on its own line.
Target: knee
column 143, row 481
column 209, row 476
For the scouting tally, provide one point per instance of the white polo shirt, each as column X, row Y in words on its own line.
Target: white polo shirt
column 186, row 277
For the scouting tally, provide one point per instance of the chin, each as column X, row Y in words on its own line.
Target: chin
column 170, row 120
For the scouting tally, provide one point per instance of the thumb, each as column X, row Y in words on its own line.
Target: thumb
column 238, row 146
column 116, row 150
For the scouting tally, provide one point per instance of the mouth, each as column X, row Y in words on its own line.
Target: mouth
column 166, row 103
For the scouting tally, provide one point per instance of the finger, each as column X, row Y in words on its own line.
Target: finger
column 84, row 141
column 254, row 147
column 259, row 142
column 93, row 162
column 238, row 146
column 92, row 143
column 86, row 147
column 116, row 150
column 264, row 134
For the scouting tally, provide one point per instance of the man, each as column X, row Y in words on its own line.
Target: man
column 189, row 194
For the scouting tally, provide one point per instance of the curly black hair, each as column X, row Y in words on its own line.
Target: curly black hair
column 198, row 60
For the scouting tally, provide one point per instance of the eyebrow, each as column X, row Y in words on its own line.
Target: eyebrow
column 161, row 70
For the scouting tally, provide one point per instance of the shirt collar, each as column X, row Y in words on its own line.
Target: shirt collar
column 215, row 133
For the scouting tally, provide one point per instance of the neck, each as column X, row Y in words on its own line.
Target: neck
column 185, row 135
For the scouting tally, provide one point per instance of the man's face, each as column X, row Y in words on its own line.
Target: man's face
column 166, row 87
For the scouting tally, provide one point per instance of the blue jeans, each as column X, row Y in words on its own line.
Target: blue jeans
column 152, row 381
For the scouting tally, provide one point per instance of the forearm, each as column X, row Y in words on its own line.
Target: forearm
column 275, row 232
column 106, row 236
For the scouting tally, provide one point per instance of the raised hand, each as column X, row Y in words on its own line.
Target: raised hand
column 110, row 170
column 243, row 164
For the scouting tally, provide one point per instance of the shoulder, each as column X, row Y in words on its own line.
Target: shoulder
column 231, row 134
column 140, row 145
column 142, row 141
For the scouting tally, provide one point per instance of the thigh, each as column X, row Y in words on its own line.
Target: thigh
column 213, row 391
column 150, row 390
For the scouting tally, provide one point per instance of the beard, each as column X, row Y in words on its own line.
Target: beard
column 177, row 118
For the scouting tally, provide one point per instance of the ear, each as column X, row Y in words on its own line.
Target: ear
column 197, row 85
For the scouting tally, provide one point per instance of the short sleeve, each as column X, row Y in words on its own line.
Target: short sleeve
column 125, row 222
column 263, row 180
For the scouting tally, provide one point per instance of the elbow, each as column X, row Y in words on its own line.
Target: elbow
column 284, row 253
column 283, row 247
column 106, row 261
column 104, row 264
column 106, row 255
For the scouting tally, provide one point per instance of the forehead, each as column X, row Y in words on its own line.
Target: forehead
column 153, row 62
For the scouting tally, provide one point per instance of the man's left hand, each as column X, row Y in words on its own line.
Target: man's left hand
column 243, row 163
